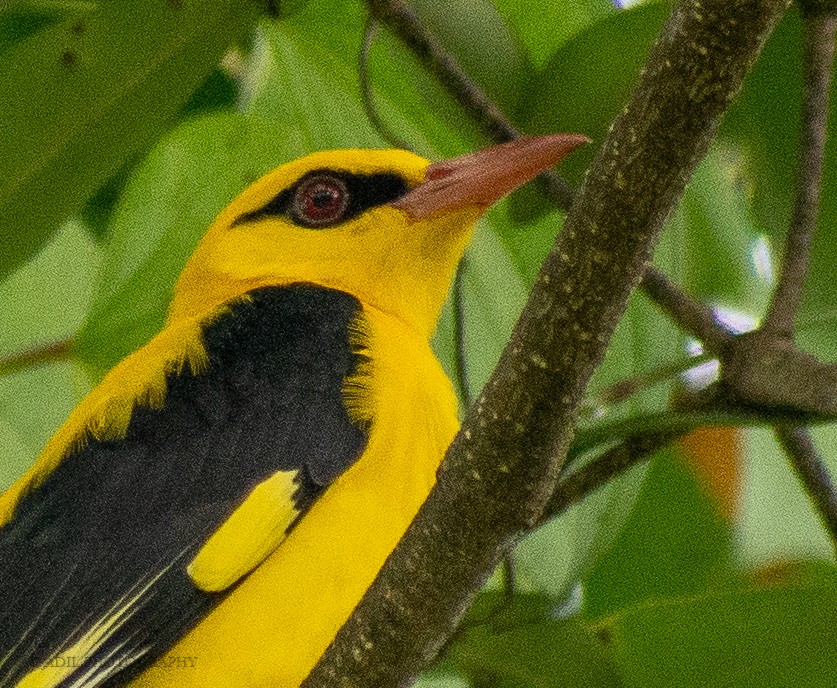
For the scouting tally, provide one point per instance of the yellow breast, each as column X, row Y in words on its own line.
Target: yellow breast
column 275, row 625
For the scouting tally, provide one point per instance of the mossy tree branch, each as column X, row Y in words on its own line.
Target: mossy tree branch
column 503, row 466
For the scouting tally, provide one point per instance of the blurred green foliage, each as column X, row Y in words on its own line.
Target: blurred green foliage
column 128, row 126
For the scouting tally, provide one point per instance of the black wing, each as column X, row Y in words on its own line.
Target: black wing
column 118, row 521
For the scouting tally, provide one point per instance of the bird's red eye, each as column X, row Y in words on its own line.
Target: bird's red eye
column 320, row 200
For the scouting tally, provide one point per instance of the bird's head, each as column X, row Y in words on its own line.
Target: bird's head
column 386, row 226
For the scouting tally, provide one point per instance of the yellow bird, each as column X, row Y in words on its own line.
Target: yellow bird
column 212, row 512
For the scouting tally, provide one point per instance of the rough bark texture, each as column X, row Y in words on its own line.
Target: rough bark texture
column 503, row 466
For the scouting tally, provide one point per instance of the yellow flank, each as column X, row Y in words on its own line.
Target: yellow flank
column 105, row 412
column 253, row 531
column 274, row 626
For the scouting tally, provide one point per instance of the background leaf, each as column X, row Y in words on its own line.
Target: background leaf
column 82, row 95
column 518, row 645
column 43, row 302
column 770, row 638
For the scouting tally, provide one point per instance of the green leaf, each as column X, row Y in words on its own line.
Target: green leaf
column 587, row 80
column 494, row 296
column 553, row 558
column 305, row 75
column 42, row 302
column 709, row 246
column 20, row 20
column 441, row 676
column 15, row 453
column 34, row 403
column 764, row 122
column 219, row 91
column 520, row 646
column 556, row 556
column 169, row 203
column 528, row 239
column 545, row 25
column 673, row 543
column 301, row 81
column 83, row 95
column 768, row 638
column 583, row 86
column 47, row 299
column 402, row 89
column 479, row 38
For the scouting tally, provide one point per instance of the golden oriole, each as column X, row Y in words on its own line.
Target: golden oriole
column 212, row 512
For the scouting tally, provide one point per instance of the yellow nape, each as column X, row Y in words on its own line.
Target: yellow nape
column 386, row 259
column 254, row 530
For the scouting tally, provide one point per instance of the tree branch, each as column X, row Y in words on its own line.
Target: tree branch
column 56, row 351
column 689, row 314
column 625, row 388
column 818, row 57
column 502, row 467
column 813, row 473
column 577, row 485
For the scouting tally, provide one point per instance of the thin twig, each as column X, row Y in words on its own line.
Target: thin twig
column 493, row 122
column 372, row 113
column 691, row 315
column 48, row 353
column 581, row 483
column 624, row 389
column 632, row 450
column 460, row 357
column 813, row 473
column 818, row 57
column 406, row 25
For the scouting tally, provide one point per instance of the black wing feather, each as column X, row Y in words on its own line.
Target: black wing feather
column 117, row 514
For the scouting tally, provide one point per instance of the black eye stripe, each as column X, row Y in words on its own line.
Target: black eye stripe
column 365, row 191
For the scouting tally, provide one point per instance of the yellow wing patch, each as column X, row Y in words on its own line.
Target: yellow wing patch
column 106, row 411
column 248, row 536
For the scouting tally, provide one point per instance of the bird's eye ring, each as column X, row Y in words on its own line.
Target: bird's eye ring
column 320, row 200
